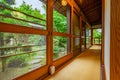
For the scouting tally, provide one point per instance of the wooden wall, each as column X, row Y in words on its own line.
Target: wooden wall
column 115, row 40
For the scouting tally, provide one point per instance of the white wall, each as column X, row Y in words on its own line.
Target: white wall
column 107, row 39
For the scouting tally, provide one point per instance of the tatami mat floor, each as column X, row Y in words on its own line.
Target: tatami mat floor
column 86, row 66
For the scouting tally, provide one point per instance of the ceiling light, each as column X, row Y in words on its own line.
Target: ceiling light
column 64, row 2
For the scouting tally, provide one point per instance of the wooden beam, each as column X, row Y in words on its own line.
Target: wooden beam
column 78, row 3
column 93, row 9
column 95, row 12
column 81, row 33
column 97, row 26
column 50, row 29
column 92, row 5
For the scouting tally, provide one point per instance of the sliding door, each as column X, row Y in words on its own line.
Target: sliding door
column 76, row 33
column 83, row 37
column 61, row 32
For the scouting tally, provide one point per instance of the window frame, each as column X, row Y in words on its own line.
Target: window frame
column 49, row 33
column 77, row 50
column 12, row 28
column 57, row 63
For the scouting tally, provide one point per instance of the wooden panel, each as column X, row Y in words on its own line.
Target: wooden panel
column 115, row 40
column 91, row 8
column 81, row 33
column 103, row 18
column 34, row 74
column 62, row 60
column 91, row 36
column 102, row 55
column 103, row 76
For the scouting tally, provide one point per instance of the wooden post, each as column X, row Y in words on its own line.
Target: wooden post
column 68, row 28
column 85, row 34
column 50, row 31
column 91, row 36
column 81, row 33
column 115, row 40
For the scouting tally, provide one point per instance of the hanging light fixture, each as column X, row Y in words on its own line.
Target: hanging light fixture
column 64, row 2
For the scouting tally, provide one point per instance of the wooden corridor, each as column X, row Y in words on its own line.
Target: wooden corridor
column 86, row 66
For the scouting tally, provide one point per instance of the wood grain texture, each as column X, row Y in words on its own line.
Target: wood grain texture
column 115, row 40
column 103, row 76
column 92, row 10
column 50, row 30
column 102, row 55
column 21, row 29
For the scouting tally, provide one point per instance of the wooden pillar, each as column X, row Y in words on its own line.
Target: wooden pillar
column 91, row 36
column 81, row 33
column 50, row 30
column 68, row 28
column 115, row 40
column 71, row 30
column 85, row 34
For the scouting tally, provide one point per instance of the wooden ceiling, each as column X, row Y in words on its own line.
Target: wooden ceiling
column 92, row 9
column 58, row 6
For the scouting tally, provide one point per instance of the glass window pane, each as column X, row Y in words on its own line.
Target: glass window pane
column 60, row 47
column 61, row 17
column 60, row 22
column 88, row 38
column 76, row 29
column 88, row 42
column 83, row 36
column 97, row 36
column 24, row 12
column 21, row 53
column 76, row 43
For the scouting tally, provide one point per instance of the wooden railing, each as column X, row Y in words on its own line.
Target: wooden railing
column 97, row 41
column 17, row 51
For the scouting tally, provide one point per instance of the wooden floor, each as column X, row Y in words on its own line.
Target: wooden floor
column 86, row 66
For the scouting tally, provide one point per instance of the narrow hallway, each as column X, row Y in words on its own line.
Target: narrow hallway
column 84, row 67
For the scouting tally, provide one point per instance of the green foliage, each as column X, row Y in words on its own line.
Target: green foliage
column 35, row 38
column 10, row 1
column 60, row 25
column 4, row 3
column 29, row 10
column 59, row 44
column 56, row 49
column 97, row 34
column 60, row 22
column 18, row 61
column 23, row 8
